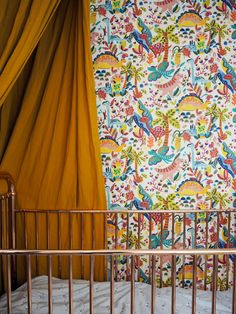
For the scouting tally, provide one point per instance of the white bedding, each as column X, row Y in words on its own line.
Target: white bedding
column 102, row 298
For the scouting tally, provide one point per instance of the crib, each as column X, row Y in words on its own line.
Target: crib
column 70, row 262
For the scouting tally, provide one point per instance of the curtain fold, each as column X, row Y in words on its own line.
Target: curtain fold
column 23, row 29
column 53, row 149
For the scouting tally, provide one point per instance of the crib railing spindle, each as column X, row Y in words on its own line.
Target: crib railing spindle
column 105, row 246
column 173, row 285
column 36, row 242
column 59, row 242
column 160, row 258
column 227, row 256
column 153, row 282
column 206, row 256
column 214, row 285
column 139, row 236
column 9, row 303
column 132, row 307
column 127, row 246
column 29, row 284
column 116, row 244
column 184, row 246
column 194, row 282
column 112, row 288
column 150, row 244
column 48, row 230
column 234, row 286
column 82, row 245
column 50, row 284
column 91, row 283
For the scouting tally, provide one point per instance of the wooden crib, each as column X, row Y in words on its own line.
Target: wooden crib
column 24, row 255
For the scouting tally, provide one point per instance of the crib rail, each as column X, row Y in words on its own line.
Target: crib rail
column 55, row 220
column 31, row 226
column 111, row 254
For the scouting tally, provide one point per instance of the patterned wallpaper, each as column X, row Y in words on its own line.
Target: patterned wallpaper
column 165, row 84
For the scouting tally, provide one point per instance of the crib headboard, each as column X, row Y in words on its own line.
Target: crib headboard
column 7, row 220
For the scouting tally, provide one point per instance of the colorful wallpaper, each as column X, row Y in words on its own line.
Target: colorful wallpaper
column 165, row 84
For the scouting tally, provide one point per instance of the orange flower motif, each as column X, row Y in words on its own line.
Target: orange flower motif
column 214, row 153
column 234, row 99
column 233, row 16
column 234, row 184
column 129, row 111
column 129, row 196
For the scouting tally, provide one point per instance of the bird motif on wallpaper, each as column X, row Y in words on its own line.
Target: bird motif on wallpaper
column 227, row 163
column 145, row 120
column 146, row 34
column 223, row 242
column 144, row 202
column 156, row 240
column 228, row 78
column 160, row 71
column 230, row 157
column 160, row 155
column 144, row 38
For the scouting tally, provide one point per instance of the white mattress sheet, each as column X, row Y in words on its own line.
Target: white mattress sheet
column 102, row 298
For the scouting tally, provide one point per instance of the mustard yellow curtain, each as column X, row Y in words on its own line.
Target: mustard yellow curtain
column 22, row 24
column 52, row 148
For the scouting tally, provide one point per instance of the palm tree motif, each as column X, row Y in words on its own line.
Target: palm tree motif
column 211, row 112
column 137, row 74
column 211, row 29
column 222, row 115
column 211, row 197
column 165, row 120
column 167, row 203
column 134, row 241
column 127, row 155
column 137, row 158
column 164, row 36
column 127, row 71
column 221, row 199
column 221, row 31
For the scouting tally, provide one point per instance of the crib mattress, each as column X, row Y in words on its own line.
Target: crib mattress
column 102, row 299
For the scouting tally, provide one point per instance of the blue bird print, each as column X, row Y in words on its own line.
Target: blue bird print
column 145, row 120
column 223, row 163
column 230, row 157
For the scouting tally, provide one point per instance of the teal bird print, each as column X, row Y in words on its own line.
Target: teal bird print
column 160, row 155
column 156, row 241
column 160, row 71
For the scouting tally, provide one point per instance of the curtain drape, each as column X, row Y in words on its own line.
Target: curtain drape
column 23, row 23
column 52, row 150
